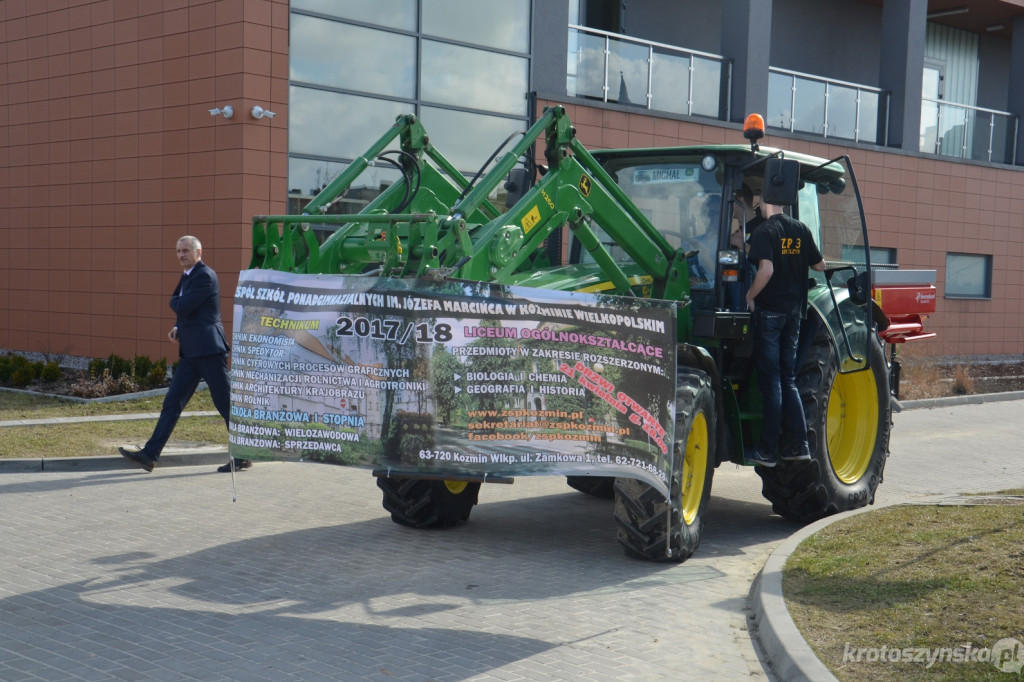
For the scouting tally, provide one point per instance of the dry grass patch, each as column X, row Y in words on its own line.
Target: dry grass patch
column 87, row 439
column 14, row 405
column 906, row 577
column 83, row 439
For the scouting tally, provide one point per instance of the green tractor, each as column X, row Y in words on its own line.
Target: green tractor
column 653, row 223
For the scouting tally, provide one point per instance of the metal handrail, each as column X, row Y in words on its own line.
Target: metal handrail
column 968, row 108
column 828, row 82
column 651, row 45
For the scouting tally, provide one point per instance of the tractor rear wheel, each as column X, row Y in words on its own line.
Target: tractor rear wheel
column 645, row 529
column 848, row 421
column 420, row 503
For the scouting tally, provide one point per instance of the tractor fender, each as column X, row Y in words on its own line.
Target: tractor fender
column 858, row 320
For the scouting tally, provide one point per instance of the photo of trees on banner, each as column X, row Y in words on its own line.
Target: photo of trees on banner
column 451, row 377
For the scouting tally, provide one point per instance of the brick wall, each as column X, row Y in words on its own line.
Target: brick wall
column 108, row 154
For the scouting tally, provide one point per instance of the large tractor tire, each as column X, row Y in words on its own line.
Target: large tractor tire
column 848, row 421
column 645, row 530
column 419, row 503
column 598, row 486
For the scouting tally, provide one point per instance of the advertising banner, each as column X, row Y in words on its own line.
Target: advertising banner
column 452, row 377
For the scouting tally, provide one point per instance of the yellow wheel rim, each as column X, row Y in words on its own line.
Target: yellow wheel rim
column 695, row 468
column 852, row 425
column 455, row 487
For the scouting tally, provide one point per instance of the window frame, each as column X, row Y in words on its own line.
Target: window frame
column 987, row 260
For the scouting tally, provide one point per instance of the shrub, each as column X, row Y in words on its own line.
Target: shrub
column 119, row 366
column 104, row 377
column 963, row 383
column 157, row 373
column 142, row 365
column 17, row 371
column 97, row 366
column 119, row 375
column 51, row 371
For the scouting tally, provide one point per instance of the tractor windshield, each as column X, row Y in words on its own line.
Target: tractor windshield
column 683, row 202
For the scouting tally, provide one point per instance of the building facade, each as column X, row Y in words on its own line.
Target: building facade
column 126, row 124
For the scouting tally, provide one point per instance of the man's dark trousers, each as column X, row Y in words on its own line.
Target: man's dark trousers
column 775, row 337
column 212, row 368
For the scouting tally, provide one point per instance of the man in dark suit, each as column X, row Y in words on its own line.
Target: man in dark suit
column 203, row 348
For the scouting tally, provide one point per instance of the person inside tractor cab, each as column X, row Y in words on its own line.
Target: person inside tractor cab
column 747, row 218
column 704, row 241
column 747, row 215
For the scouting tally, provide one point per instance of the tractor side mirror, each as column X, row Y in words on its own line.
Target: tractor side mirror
column 781, row 181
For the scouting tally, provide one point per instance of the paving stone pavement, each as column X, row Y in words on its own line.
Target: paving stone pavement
column 125, row 575
column 956, row 448
column 121, row 575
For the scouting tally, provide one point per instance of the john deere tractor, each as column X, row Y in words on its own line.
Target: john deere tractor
column 653, row 223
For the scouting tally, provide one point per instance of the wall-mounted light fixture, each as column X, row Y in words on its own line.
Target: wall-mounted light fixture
column 259, row 112
column 227, row 111
column 995, row 27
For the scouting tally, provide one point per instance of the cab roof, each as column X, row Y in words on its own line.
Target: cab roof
column 812, row 168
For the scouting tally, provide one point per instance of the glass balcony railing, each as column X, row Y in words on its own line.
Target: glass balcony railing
column 800, row 102
column 614, row 68
column 966, row 132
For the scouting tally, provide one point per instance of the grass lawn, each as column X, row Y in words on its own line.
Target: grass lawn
column 96, row 438
column 915, row 580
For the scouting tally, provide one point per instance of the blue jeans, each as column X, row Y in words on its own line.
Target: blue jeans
column 775, row 345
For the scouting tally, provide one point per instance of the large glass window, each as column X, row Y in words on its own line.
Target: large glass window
column 352, row 57
column 309, row 176
column 475, row 79
column 330, row 124
column 395, row 13
column 465, row 139
column 968, row 275
column 880, row 255
column 356, row 65
column 502, row 25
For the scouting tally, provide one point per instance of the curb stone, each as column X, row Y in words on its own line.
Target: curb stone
column 171, row 457
column 973, row 399
column 788, row 653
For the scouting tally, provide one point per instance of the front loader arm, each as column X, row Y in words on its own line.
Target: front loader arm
column 576, row 191
column 430, row 183
column 569, row 194
column 436, row 221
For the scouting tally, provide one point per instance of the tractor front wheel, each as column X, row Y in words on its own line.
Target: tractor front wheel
column 646, row 529
column 420, row 503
